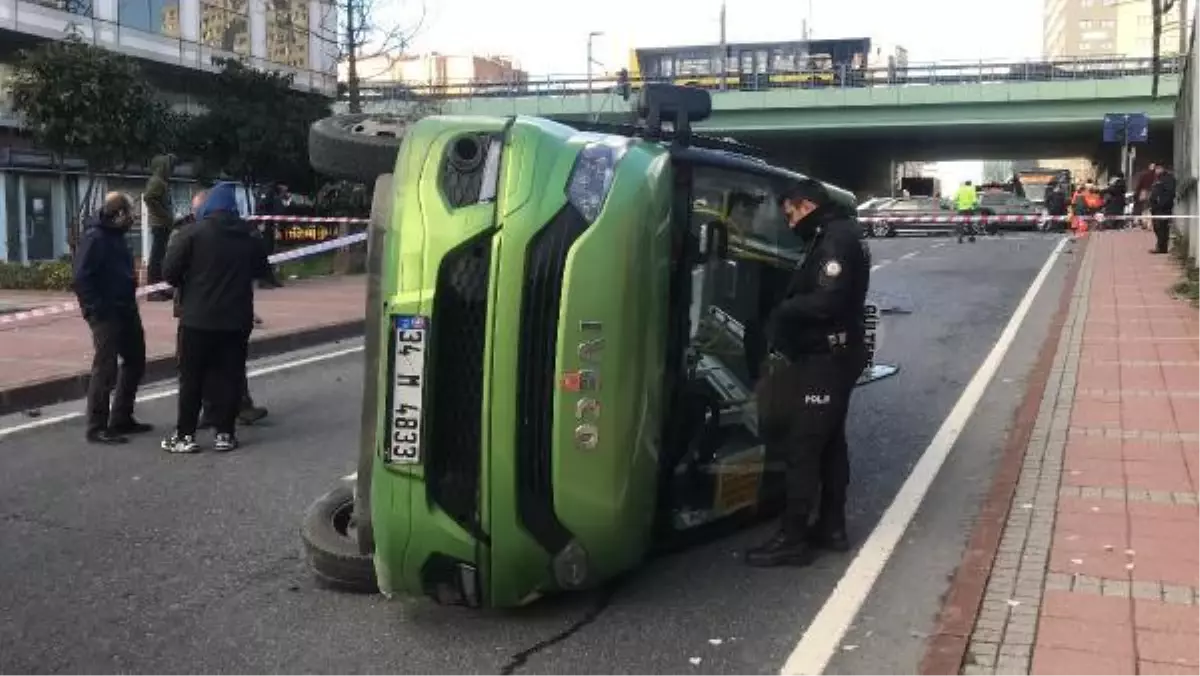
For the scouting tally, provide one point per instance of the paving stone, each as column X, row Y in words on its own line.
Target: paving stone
column 1151, row 591
column 1059, row 581
column 1180, row 594
column 982, row 654
column 1087, row 584
column 1115, row 588
column 1012, row 650
column 977, row 670
column 1012, row 665
column 1161, row 497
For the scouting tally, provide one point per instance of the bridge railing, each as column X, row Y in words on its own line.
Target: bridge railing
column 943, row 73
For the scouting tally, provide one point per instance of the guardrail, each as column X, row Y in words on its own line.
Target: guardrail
column 981, row 72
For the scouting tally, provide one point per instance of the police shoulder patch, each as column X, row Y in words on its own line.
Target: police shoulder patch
column 833, row 269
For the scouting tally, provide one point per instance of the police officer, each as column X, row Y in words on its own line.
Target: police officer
column 816, row 334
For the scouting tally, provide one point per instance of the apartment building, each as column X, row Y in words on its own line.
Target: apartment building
column 444, row 72
column 176, row 42
column 1083, row 28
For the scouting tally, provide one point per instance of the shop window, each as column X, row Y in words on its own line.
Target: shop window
column 151, row 16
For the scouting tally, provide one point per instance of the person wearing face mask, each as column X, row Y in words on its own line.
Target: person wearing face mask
column 817, row 338
column 105, row 285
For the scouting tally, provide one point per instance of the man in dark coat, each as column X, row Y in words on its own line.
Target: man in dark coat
column 213, row 262
column 1162, row 204
column 105, row 286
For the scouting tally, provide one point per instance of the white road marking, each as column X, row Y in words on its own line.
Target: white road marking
column 909, row 255
column 353, row 476
column 939, row 245
column 880, row 264
column 822, row 638
column 163, row 394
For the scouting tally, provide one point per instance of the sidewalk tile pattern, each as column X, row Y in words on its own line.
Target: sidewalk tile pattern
column 59, row 346
column 1098, row 570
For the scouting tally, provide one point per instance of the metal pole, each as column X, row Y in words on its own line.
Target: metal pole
column 724, row 52
column 589, row 74
column 1184, row 33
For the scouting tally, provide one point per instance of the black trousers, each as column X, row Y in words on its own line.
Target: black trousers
column 206, row 407
column 1162, row 232
column 115, row 338
column 212, row 363
column 802, row 418
column 159, row 236
column 965, row 229
column 269, row 235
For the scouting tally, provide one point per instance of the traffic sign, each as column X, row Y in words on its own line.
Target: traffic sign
column 1126, row 128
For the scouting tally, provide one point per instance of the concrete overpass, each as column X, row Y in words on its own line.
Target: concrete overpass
column 851, row 135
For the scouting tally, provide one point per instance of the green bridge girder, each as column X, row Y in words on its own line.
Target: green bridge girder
column 876, row 109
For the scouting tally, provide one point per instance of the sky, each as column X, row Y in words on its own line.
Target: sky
column 545, row 40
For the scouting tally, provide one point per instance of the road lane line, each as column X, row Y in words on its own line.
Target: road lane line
column 880, row 264
column 353, row 476
column 163, row 394
column 909, row 255
column 821, row 639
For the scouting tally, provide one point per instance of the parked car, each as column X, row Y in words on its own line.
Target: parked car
column 920, row 207
column 1003, row 203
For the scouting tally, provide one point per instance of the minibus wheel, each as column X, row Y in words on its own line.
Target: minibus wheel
column 356, row 147
column 331, row 543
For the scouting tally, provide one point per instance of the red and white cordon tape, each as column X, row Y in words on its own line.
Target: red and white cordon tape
column 337, row 220
column 300, row 252
column 1010, row 218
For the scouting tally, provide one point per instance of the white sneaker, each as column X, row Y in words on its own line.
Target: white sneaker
column 225, row 442
column 177, row 444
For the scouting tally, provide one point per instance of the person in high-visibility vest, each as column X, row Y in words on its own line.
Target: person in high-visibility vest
column 966, row 201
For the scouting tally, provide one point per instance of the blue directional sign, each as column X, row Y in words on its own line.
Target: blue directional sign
column 1126, row 128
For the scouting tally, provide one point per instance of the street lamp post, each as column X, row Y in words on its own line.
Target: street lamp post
column 593, row 34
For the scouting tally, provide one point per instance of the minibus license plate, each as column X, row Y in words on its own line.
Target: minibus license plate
column 408, row 388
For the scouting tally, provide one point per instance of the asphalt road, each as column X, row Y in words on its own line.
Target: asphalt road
column 128, row 560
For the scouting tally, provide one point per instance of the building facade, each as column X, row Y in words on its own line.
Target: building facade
column 177, row 42
column 443, row 72
column 1084, row 28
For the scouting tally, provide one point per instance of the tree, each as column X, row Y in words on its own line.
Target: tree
column 363, row 37
column 255, row 126
column 89, row 103
column 1159, row 9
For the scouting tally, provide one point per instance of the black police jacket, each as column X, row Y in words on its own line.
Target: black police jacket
column 826, row 293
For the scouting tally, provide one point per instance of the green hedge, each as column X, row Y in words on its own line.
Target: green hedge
column 41, row 276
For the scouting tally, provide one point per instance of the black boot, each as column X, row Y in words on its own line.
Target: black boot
column 784, row 549
column 249, row 414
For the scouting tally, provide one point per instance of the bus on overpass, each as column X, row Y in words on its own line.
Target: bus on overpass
column 761, row 65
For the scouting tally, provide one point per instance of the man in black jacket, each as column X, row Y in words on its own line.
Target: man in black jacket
column 817, row 334
column 248, row 412
column 213, row 262
column 105, row 286
column 1162, row 204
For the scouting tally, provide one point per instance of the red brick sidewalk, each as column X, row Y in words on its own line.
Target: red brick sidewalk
column 44, row 360
column 1098, row 568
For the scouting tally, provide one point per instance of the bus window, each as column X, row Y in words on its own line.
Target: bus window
column 783, row 60
column 666, row 65
column 695, row 63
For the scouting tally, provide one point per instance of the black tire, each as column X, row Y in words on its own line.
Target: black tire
column 329, row 540
column 355, row 147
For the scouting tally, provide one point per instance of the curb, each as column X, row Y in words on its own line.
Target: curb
column 67, row 388
column 947, row 645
